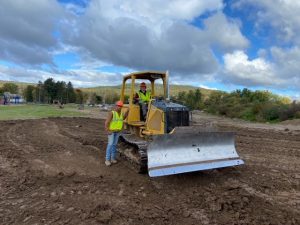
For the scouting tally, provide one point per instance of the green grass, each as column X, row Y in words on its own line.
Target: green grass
column 12, row 112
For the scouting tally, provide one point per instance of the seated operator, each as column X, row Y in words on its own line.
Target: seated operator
column 142, row 97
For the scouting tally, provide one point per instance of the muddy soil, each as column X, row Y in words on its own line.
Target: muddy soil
column 52, row 172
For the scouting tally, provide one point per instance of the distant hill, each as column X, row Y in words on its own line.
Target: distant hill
column 107, row 90
column 21, row 85
column 174, row 89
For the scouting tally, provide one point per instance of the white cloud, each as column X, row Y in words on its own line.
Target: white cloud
column 206, row 87
column 278, row 21
column 296, row 97
column 92, row 78
column 282, row 15
column 139, row 35
column 225, row 33
column 79, row 78
column 287, row 65
column 155, row 35
column 22, row 53
column 240, row 70
column 283, row 72
column 26, row 30
column 153, row 12
column 142, row 35
column 287, row 61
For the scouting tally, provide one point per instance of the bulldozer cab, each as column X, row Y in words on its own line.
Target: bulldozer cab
column 150, row 77
column 153, row 123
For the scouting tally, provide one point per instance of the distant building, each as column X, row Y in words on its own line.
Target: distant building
column 9, row 98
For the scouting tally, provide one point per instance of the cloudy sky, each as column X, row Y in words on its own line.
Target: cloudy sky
column 215, row 44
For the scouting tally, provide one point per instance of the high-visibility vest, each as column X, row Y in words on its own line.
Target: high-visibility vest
column 116, row 123
column 144, row 97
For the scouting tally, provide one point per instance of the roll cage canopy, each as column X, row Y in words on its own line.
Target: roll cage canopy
column 151, row 76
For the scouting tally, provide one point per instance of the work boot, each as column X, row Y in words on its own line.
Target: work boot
column 107, row 163
column 114, row 161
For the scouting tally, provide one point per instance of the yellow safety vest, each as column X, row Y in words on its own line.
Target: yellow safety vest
column 116, row 123
column 144, row 97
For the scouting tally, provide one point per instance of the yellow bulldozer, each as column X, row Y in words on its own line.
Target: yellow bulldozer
column 165, row 143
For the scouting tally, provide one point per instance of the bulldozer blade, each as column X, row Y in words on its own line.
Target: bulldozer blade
column 180, row 152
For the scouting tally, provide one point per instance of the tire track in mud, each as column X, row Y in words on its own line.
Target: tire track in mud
column 256, row 145
column 286, row 199
column 272, row 155
column 50, row 151
column 258, row 193
column 264, row 145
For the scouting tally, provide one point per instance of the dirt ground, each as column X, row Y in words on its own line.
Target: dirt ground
column 52, row 172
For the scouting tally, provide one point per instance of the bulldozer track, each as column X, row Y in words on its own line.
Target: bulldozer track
column 135, row 151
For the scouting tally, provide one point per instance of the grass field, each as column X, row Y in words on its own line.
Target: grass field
column 11, row 112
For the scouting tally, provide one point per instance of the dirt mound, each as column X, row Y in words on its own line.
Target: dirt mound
column 295, row 122
column 52, row 172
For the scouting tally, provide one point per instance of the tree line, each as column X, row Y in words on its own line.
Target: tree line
column 51, row 91
column 245, row 104
column 9, row 87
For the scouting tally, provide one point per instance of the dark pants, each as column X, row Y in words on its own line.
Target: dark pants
column 143, row 111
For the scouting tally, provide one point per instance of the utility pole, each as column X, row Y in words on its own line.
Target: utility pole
column 104, row 96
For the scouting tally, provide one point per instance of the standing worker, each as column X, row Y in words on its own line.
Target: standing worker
column 142, row 97
column 113, row 127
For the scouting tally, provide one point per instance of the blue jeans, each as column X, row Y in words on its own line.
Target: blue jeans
column 111, row 149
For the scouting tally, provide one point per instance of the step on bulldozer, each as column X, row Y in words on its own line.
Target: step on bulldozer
column 164, row 143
